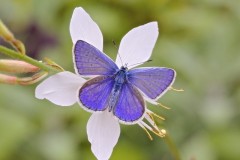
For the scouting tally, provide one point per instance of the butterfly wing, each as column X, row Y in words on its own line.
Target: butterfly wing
column 130, row 106
column 90, row 61
column 152, row 81
column 93, row 95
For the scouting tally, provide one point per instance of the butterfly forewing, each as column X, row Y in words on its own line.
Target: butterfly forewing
column 152, row 81
column 94, row 94
column 91, row 61
column 130, row 106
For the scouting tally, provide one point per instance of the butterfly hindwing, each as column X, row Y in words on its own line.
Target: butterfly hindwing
column 90, row 61
column 130, row 106
column 93, row 95
column 152, row 81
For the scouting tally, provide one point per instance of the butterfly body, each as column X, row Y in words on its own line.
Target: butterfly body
column 120, row 78
column 117, row 90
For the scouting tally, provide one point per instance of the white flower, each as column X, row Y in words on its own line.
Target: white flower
column 103, row 129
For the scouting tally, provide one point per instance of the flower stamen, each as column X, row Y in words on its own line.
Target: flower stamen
column 151, row 125
column 144, row 128
column 151, row 114
column 177, row 90
column 161, row 133
column 163, row 106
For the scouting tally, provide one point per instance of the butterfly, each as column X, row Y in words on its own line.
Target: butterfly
column 118, row 90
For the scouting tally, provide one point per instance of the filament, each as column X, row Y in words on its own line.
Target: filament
column 163, row 106
column 154, row 114
column 144, row 128
column 177, row 90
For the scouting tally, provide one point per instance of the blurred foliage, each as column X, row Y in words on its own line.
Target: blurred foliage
column 200, row 39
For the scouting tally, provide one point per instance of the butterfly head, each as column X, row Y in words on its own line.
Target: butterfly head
column 124, row 68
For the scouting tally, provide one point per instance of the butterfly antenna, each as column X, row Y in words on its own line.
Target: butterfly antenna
column 140, row 63
column 118, row 54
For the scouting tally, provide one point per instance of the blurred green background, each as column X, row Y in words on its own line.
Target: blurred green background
column 199, row 39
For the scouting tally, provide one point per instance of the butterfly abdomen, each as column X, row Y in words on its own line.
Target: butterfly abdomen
column 113, row 98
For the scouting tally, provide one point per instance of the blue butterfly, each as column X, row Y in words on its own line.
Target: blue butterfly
column 118, row 90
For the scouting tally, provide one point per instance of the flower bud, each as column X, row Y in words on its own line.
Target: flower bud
column 8, row 79
column 7, row 35
column 16, row 66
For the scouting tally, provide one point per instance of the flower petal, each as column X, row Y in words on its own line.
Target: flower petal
column 60, row 89
column 82, row 27
column 103, row 132
column 137, row 45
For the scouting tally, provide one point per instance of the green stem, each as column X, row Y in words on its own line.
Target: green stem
column 27, row 59
column 172, row 147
